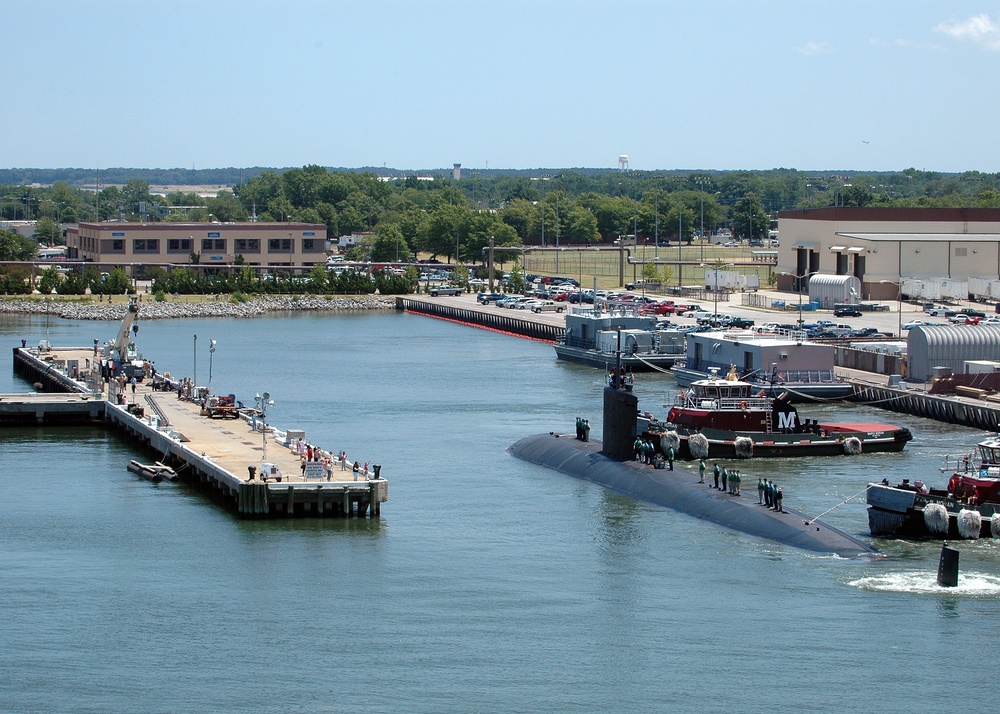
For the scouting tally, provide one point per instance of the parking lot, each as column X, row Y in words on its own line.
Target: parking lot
column 888, row 321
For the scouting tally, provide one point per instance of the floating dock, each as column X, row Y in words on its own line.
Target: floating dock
column 215, row 455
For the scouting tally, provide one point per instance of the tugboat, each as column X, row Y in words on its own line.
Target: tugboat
column 735, row 419
column 968, row 508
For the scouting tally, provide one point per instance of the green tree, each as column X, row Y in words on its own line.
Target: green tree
column 480, row 227
column 389, row 244
column 118, row 282
column 14, row 246
column 318, row 282
column 328, row 215
column 517, row 215
column 47, row 231
column 73, row 284
column 515, row 284
column 740, row 218
column 49, row 281
column 445, row 230
column 226, row 207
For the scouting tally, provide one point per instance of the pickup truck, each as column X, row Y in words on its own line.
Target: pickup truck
column 939, row 311
column 435, row 292
column 644, row 284
column 537, row 306
column 971, row 312
column 740, row 323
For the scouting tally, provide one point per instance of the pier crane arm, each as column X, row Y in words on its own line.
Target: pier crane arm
column 121, row 342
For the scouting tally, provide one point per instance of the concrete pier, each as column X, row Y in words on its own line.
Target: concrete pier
column 488, row 316
column 948, row 408
column 212, row 454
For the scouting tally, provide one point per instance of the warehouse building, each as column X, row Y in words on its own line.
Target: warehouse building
column 882, row 247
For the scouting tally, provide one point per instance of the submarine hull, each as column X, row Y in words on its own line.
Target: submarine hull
column 680, row 490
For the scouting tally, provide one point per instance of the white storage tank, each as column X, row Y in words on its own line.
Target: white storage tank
column 828, row 290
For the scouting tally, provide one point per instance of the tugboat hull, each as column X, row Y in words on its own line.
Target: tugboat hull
column 869, row 438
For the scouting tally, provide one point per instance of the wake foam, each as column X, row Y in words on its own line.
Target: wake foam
column 925, row 583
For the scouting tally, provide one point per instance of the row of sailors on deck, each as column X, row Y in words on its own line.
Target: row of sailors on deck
column 623, row 379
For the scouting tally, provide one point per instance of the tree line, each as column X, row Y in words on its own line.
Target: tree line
column 455, row 219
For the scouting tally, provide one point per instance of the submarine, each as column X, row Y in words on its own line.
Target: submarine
column 610, row 463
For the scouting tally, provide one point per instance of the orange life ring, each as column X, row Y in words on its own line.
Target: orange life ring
column 744, row 406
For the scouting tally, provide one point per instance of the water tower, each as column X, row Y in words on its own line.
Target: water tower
column 623, row 163
column 456, row 172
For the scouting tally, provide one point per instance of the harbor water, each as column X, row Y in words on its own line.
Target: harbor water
column 489, row 584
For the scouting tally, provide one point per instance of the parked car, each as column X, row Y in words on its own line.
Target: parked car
column 519, row 302
column 846, row 311
column 914, row 323
column 487, row 298
column 538, row 306
column 740, row 323
column 696, row 313
column 865, row 332
column 964, row 320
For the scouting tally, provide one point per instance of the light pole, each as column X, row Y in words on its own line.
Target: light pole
column 701, row 181
column 263, row 402
column 899, row 306
column 799, row 278
column 680, row 239
column 211, row 354
column 656, row 225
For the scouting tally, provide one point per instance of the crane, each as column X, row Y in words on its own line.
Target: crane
column 119, row 347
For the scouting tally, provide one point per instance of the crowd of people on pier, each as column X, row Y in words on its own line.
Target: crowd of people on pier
column 309, row 454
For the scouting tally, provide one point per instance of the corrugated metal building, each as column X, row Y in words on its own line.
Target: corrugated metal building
column 827, row 290
column 930, row 346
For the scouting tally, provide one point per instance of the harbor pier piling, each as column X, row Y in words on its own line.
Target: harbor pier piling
column 950, row 408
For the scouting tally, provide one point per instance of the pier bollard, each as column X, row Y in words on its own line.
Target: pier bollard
column 253, row 472
column 378, row 468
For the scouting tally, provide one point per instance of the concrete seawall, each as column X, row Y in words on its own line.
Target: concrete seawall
column 499, row 320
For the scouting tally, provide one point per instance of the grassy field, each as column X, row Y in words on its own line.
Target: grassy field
column 585, row 263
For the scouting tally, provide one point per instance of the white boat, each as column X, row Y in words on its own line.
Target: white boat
column 595, row 337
